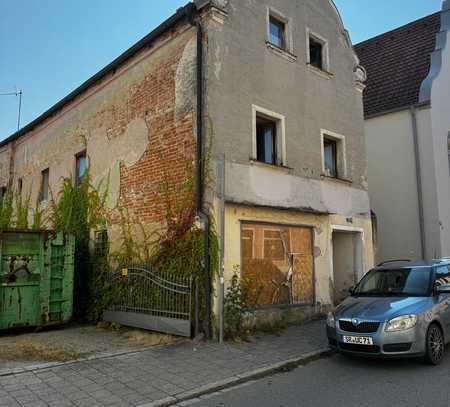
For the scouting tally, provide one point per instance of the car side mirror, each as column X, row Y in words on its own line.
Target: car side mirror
column 351, row 290
column 442, row 289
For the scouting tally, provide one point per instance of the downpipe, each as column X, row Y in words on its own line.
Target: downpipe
column 423, row 242
column 200, row 170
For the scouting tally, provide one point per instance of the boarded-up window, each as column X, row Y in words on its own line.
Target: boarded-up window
column 273, row 245
column 278, row 264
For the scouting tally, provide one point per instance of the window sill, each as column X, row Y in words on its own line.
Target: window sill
column 281, row 52
column 320, row 72
column 337, row 180
column 281, row 168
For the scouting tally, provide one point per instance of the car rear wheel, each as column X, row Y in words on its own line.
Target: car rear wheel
column 435, row 345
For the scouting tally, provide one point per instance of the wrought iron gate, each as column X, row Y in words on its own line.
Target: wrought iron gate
column 144, row 299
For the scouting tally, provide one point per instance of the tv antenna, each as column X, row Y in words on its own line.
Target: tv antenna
column 17, row 93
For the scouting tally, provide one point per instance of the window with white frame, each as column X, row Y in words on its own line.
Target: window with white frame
column 266, row 140
column 330, row 157
column 269, row 145
column 278, row 30
column 333, row 155
column 317, row 51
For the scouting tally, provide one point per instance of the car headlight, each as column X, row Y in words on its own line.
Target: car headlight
column 401, row 323
column 331, row 320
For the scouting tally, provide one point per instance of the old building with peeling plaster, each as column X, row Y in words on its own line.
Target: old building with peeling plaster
column 282, row 107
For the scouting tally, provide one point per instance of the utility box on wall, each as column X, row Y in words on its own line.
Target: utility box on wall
column 36, row 278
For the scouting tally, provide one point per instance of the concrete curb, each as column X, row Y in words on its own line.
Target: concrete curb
column 241, row 378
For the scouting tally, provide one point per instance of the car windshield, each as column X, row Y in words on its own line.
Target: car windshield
column 405, row 282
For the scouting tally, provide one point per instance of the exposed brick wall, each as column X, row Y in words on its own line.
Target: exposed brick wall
column 168, row 158
column 143, row 91
column 171, row 151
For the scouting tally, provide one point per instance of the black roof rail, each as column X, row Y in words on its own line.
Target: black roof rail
column 393, row 261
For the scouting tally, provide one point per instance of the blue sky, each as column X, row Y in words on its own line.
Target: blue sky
column 49, row 47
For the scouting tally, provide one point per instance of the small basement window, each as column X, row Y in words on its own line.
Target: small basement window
column 45, row 175
column 330, row 157
column 80, row 168
column 277, row 32
column 315, row 53
column 266, row 140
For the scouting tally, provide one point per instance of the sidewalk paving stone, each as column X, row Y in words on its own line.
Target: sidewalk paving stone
column 158, row 376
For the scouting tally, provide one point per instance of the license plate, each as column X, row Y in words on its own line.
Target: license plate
column 358, row 340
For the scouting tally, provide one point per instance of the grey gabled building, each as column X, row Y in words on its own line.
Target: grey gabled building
column 281, row 102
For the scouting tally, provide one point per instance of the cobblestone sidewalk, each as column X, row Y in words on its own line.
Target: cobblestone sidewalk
column 155, row 374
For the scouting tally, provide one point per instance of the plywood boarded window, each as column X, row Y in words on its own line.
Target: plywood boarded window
column 273, row 245
column 278, row 264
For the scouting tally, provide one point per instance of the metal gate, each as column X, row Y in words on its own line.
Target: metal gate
column 145, row 299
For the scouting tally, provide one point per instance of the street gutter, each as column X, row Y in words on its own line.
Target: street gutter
column 270, row 370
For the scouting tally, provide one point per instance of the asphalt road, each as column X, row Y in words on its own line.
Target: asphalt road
column 339, row 381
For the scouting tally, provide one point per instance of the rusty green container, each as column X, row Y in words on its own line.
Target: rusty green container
column 36, row 278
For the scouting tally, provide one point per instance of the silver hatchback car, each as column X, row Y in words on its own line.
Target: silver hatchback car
column 398, row 309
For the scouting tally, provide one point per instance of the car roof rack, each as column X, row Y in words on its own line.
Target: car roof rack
column 393, row 261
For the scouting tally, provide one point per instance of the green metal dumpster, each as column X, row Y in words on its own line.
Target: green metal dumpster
column 36, row 278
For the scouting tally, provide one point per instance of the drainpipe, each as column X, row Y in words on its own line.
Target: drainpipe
column 200, row 176
column 418, row 180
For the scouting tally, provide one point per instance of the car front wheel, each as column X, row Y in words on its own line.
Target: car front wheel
column 435, row 345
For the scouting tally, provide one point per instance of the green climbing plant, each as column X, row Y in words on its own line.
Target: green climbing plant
column 22, row 208
column 7, row 210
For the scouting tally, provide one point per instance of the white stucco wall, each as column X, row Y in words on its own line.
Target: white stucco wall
column 429, row 183
column 393, row 185
column 440, row 122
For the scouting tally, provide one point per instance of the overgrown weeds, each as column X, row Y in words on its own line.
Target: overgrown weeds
column 237, row 306
column 79, row 210
column 29, row 351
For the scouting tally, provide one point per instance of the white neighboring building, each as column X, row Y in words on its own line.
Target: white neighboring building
column 407, row 112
